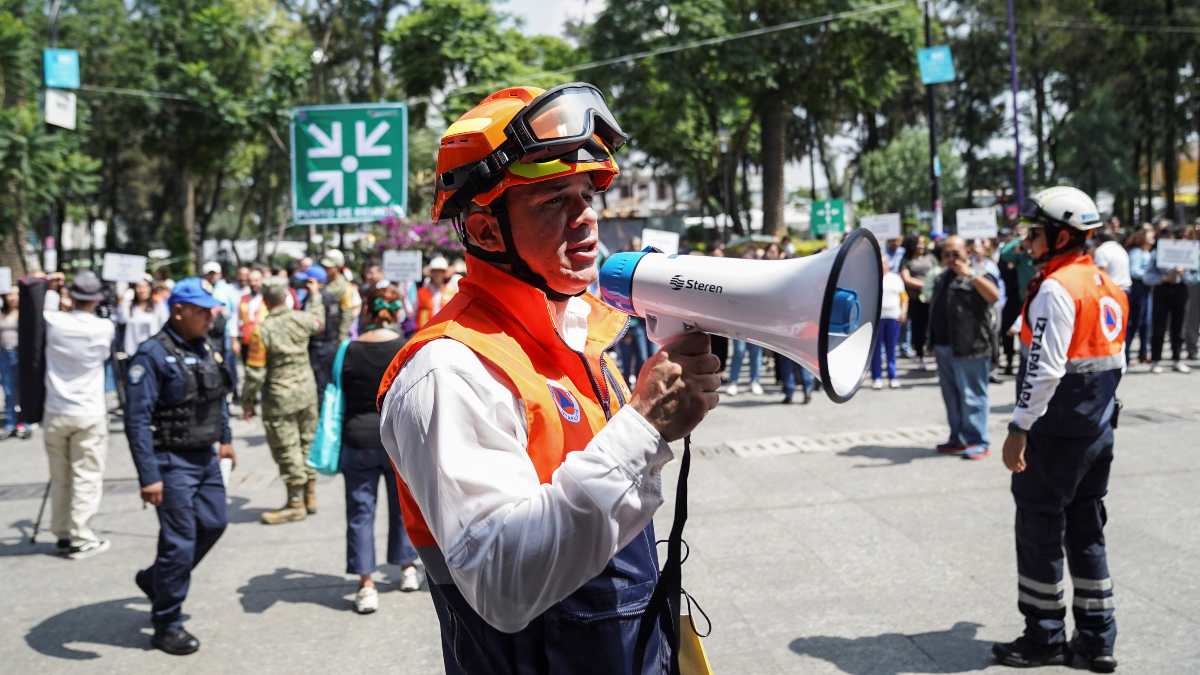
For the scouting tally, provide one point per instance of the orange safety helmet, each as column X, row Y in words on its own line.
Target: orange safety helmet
column 499, row 144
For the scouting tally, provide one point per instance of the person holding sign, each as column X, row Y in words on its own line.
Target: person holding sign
column 1172, row 267
column 1060, row 439
column 530, row 473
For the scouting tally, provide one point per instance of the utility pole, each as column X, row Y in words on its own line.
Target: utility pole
column 52, row 225
column 1012, row 69
column 935, row 168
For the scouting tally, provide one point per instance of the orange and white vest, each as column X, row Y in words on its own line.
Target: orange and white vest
column 568, row 396
column 429, row 304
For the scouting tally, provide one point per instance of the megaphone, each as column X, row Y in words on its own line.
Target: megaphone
column 821, row 311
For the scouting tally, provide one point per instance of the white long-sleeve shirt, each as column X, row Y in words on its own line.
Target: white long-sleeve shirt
column 1052, row 322
column 514, row 546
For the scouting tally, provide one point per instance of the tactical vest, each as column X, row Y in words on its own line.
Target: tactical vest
column 194, row 422
column 1083, row 403
column 333, row 317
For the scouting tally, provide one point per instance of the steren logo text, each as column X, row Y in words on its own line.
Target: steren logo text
column 679, row 283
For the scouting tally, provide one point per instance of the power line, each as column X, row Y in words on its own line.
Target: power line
column 708, row 42
column 142, row 93
column 1179, row 29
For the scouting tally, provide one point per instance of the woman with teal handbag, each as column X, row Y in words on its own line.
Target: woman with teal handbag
column 363, row 459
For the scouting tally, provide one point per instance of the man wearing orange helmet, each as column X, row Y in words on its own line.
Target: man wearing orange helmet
column 529, row 472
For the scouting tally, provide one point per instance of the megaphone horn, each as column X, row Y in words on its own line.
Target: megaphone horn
column 821, row 311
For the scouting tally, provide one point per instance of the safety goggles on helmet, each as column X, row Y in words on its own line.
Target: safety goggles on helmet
column 558, row 131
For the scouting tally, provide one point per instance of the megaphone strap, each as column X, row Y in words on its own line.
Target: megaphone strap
column 663, row 608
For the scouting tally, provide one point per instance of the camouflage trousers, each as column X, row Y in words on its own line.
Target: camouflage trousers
column 290, row 437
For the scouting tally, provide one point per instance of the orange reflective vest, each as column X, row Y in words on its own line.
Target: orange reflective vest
column 249, row 320
column 1100, row 310
column 428, row 305
column 568, row 395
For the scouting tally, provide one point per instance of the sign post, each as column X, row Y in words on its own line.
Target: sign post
column 883, row 225
column 402, row 266
column 976, row 223
column 349, row 162
column 828, row 216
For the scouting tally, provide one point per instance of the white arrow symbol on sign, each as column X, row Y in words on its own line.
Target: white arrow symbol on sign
column 330, row 146
column 368, row 179
column 366, row 144
column 331, row 181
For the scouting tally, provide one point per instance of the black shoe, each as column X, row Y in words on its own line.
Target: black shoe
column 142, row 579
column 1105, row 663
column 1024, row 653
column 787, row 398
column 175, row 641
column 807, row 399
column 63, row 546
column 1008, row 369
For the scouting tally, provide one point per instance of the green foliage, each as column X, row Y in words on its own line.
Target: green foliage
column 896, row 177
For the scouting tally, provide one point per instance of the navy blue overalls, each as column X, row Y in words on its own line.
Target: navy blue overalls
column 1060, row 495
column 174, row 415
column 591, row 632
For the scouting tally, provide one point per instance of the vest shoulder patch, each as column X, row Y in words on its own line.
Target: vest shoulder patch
column 565, row 401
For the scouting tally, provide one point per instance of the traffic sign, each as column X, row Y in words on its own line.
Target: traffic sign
column 936, row 64
column 60, row 68
column 828, row 216
column 349, row 162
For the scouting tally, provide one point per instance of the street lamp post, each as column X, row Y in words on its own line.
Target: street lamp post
column 935, row 169
column 723, row 139
column 1012, row 68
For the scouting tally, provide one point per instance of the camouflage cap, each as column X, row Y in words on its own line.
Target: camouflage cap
column 275, row 290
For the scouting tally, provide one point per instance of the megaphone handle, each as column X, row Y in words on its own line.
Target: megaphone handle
column 663, row 329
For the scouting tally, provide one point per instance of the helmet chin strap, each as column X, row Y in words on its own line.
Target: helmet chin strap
column 1052, row 248
column 510, row 256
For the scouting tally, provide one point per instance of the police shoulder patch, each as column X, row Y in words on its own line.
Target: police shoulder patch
column 136, row 374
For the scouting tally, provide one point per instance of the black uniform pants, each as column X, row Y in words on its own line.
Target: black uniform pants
column 191, row 518
column 1170, row 302
column 1060, row 504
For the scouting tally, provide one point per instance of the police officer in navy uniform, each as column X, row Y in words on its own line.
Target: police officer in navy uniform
column 175, row 416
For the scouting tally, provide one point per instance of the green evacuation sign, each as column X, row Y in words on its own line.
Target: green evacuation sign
column 349, row 162
column 828, row 216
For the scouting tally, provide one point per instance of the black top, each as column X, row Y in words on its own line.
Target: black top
column 361, row 372
column 960, row 317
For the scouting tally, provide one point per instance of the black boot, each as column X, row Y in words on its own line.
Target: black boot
column 1024, row 653
column 1099, row 663
column 175, row 641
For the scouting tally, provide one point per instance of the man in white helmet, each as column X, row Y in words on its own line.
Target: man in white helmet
column 436, row 292
column 1060, row 440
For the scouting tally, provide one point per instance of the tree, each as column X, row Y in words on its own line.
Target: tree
column 895, row 177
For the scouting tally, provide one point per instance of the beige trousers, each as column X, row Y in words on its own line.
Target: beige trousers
column 76, row 448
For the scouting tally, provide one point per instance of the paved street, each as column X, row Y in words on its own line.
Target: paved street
column 824, row 539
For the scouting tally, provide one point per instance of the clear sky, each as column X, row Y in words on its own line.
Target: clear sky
column 546, row 17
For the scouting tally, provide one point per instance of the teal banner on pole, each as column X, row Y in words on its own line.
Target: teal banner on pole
column 936, row 64
column 61, row 68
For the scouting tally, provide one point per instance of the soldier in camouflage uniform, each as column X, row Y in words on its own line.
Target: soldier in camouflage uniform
column 289, row 395
column 338, row 287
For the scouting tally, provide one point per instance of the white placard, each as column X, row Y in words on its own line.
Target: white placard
column 883, row 225
column 60, row 108
column 402, row 266
column 667, row 242
column 1174, row 253
column 976, row 223
column 121, row 267
column 5, row 280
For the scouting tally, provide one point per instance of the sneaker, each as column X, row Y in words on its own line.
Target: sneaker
column 877, row 384
column 88, row 549
column 894, row 383
column 63, row 546
column 922, row 363
column 1181, row 367
column 410, row 579
column 731, row 390
column 756, row 389
column 950, row 448
column 23, row 433
column 976, row 452
column 366, row 601
column 1157, row 369
column 994, row 379
column 1023, row 653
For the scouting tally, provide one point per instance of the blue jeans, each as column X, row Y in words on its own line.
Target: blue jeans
column 889, row 334
column 964, row 384
column 361, row 469
column 735, row 368
column 787, row 372
column 8, row 377
column 633, row 349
